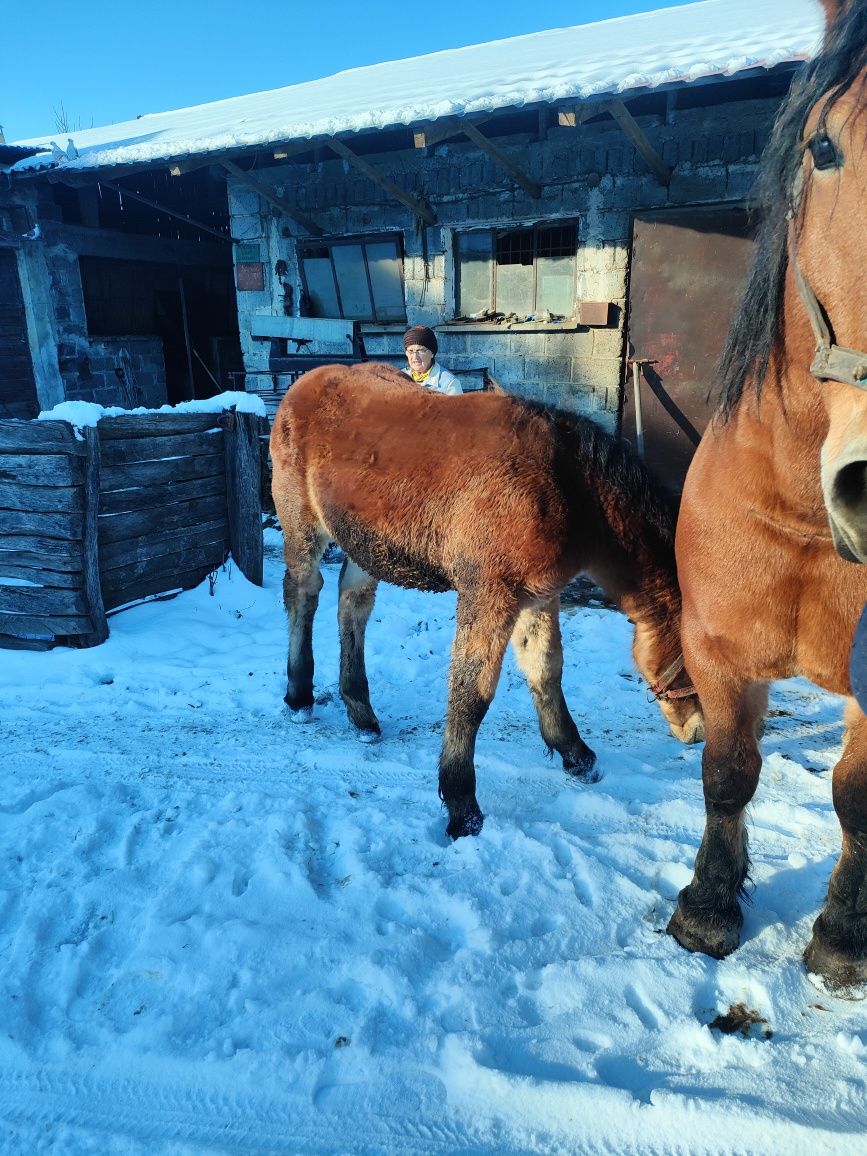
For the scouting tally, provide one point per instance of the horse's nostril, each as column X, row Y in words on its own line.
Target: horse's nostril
column 850, row 486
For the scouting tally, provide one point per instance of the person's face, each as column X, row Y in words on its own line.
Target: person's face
column 419, row 358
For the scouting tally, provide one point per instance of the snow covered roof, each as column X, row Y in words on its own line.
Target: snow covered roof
column 697, row 42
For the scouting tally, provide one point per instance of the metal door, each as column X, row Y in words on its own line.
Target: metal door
column 17, row 385
column 687, row 270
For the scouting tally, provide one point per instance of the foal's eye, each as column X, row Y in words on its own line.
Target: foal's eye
column 824, row 152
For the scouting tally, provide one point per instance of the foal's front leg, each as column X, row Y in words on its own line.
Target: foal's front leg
column 708, row 916
column 484, row 622
column 357, row 594
column 539, row 651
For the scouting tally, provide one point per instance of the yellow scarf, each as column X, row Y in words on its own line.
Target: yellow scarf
column 420, row 377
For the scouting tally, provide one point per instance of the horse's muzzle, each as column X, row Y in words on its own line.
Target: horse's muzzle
column 845, row 490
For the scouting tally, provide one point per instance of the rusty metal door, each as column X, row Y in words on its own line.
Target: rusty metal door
column 687, row 271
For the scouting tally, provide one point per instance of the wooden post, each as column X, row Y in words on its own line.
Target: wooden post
column 90, row 545
column 244, row 492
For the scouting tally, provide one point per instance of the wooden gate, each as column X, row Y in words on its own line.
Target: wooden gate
column 17, row 386
column 687, row 270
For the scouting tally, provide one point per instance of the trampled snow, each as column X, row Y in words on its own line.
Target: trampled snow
column 222, row 932
column 664, row 47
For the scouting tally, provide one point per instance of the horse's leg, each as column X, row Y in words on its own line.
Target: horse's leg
column 357, row 594
column 303, row 546
column 708, row 916
column 539, row 650
column 485, row 619
column 838, row 948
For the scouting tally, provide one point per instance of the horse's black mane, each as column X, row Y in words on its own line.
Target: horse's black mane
column 756, row 332
column 611, row 463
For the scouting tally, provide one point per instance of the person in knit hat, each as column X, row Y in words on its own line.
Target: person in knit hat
column 420, row 345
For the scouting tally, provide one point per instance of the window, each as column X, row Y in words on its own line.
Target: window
column 359, row 279
column 529, row 272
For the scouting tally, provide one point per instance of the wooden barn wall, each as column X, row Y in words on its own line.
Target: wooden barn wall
column 140, row 505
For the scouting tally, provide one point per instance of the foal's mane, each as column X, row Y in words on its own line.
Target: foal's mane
column 756, row 332
column 610, row 466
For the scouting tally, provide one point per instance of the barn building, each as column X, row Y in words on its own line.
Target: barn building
column 569, row 210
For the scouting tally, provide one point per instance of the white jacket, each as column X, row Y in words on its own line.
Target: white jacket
column 439, row 379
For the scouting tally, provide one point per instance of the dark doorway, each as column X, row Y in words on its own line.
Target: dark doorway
column 17, row 384
column 687, row 270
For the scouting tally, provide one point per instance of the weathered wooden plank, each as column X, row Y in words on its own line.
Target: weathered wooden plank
column 68, row 579
column 244, row 494
column 48, row 499
column 40, row 437
column 141, row 449
column 50, row 624
column 114, row 527
column 143, row 589
column 167, row 471
column 92, row 590
column 325, row 329
column 146, row 498
column 14, row 642
column 128, row 550
column 41, row 600
column 42, row 469
column 146, row 425
column 70, row 525
column 55, row 552
column 163, row 569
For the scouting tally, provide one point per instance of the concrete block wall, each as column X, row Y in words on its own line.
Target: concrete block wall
column 590, row 174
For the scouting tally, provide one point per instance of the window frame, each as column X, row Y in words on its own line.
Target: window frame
column 331, row 243
column 494, row 232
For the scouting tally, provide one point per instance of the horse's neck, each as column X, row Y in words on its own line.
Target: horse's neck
column 775, row 442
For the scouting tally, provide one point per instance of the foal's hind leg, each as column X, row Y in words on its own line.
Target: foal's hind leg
column 708, row 916
column 303, row 546
column 484, row 622
column 539, row 651
column 838, row 948
column 357, row 593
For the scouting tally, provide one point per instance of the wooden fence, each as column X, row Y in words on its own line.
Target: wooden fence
column 138, row 505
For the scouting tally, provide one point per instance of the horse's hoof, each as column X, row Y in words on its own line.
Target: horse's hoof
column 699, row 932
column 468, row 822
column 840, row 975
column 301, row 716
column 368, row 734
column 582, row 765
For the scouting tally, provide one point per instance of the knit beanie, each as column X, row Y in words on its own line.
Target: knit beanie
column 420, row 335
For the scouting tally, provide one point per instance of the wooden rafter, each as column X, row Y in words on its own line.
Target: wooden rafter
column 264, row 190
column 451, row 126
column 572, row 117
column 420, row 207
column 122, row 192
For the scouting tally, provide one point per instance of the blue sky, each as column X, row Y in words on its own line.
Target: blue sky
column 100, row 61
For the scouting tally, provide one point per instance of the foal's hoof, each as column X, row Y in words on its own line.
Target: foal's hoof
column 840, row 974
column 581, row 764
column 467, row 820
column 702, row 931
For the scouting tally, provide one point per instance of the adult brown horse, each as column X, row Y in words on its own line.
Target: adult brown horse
column 499, row 499
column 765, row 593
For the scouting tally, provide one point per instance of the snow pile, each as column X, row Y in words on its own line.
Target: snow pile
column 222, row 932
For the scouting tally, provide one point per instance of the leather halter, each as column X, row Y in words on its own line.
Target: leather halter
column 831, row 362
column 660, row 691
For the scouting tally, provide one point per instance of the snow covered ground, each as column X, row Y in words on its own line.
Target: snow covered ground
column 222, row 932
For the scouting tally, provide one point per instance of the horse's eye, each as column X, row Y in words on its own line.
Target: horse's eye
column 824, row 152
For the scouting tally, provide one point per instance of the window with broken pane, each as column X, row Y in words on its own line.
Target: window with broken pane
column 527, row 272
column 361, row 279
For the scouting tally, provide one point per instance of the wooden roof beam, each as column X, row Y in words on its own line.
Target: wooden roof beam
column 160, row 208
column 451, row 126
column 572, row 117
column 633, row 131
column 268, row 193
column 420, row 207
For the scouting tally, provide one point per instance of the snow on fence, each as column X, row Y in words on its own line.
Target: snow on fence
column 137, row 505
